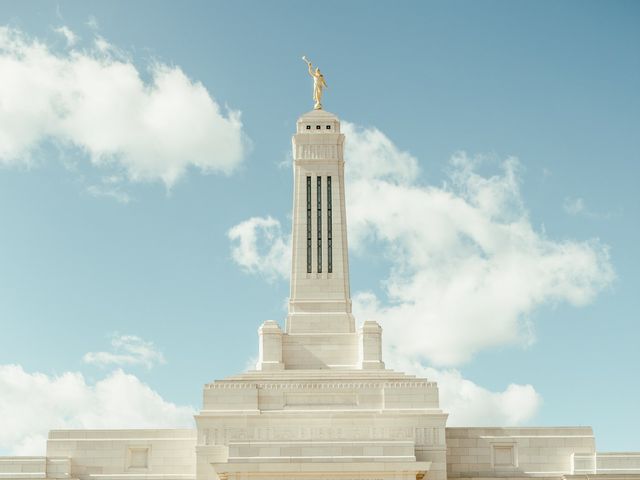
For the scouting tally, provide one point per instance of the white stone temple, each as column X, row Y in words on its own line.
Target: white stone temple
column 320, row 403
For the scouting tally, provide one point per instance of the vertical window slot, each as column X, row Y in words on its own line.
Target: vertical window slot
column 329, row 228
column 319, row 219
column 308, row 224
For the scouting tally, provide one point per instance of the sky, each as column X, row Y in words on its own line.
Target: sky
column 492, row 160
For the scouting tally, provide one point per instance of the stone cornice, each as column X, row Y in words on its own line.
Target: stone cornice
column 284, row 385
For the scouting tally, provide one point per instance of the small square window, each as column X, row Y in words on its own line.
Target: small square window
column 138, row 457
column 308, row 127
column 317, row 127
column 504, row 456
column 328, row 127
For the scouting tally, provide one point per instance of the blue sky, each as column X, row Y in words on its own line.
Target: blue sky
column 117, row 270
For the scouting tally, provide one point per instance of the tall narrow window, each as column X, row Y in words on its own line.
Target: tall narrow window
column 319, row 215
column 308, row 224
column 329, row 228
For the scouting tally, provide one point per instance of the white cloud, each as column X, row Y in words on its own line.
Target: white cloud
column 469, row 404
column 248, row 239
column 68, row 35
column 31, row 404
column 468, row 267
column 109, row 186
column 127, row 350
column 573, row 206
column 250, row 364
column 97, row 102
column 371, row 155
column 114, row 192
column 578, row 207
column 92, row 23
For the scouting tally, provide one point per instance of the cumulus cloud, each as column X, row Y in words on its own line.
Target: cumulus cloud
column 259, row 246
column 68, row 35
column 96, row 101
column 371, row 155
column 127, row 350
column 469, row 404
column 469, row 268
column 31, row 404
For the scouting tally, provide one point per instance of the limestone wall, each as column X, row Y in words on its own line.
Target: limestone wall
column 14, row 468
column 23, row 467
column 123, row 454
column 607, row 463
column 515, row 452
column 480, row 453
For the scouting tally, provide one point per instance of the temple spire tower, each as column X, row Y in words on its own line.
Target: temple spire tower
column 320, row 301
column 320, row 330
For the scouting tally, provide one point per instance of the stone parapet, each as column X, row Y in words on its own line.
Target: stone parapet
column 515, row 452
column 167, row 454
column 606, row 463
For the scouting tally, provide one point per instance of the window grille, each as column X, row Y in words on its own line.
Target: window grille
column 319, row 219
column 329, row 228
column 308, row 224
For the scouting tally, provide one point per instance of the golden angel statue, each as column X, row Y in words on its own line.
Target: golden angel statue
column 318, row 84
